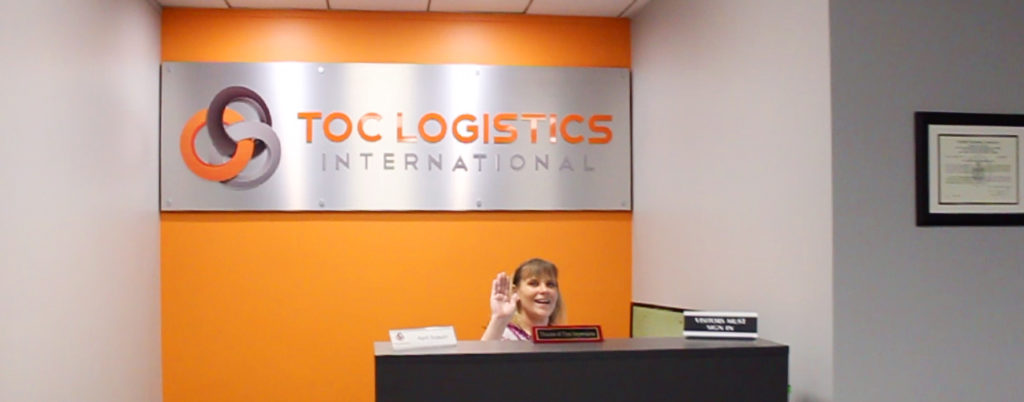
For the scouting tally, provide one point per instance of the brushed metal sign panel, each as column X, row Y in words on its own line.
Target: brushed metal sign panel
column 294, row 136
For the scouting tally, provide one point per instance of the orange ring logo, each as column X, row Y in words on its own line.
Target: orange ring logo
column 259, row 137
column 197, row 165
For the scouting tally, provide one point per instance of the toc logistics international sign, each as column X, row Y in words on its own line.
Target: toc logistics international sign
column 370, row 137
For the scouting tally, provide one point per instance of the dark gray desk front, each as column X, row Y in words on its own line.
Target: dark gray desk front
column 642, row 369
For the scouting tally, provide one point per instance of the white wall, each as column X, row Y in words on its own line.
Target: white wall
column 79, row 226
column 732, row 169
column 922, row 313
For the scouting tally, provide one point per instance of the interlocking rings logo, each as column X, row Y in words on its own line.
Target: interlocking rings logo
column 257, row 138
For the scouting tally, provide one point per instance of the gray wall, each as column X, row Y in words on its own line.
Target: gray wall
column 79, row 244
column 732, row 180
column 921, row 313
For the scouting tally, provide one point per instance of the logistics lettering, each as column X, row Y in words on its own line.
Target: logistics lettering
column 499, row 128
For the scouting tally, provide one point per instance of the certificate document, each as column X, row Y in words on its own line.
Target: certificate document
column 978, row 169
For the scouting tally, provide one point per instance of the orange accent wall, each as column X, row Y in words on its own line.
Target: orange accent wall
column 286, row 306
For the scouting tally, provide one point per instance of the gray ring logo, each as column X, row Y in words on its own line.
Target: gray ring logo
column 261, row 132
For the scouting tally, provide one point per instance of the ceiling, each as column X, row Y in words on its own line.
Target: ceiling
column 590, row 8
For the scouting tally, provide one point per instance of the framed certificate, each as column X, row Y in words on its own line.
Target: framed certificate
column 969, row 169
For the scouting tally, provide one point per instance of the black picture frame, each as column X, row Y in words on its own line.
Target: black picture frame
column 997, row 127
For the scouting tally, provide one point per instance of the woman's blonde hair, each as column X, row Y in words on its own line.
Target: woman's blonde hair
column 537, row 267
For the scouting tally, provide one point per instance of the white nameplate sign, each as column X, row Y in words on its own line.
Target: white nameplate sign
column 720, row 324
column 426, row 337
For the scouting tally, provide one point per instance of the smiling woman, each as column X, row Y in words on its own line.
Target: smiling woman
column 530, row 300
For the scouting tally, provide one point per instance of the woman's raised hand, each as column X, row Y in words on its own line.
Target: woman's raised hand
column 503, row 300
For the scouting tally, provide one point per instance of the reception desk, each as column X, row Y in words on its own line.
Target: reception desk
column 641, row 369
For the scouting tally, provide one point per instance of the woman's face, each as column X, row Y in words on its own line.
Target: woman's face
column 537, row 297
